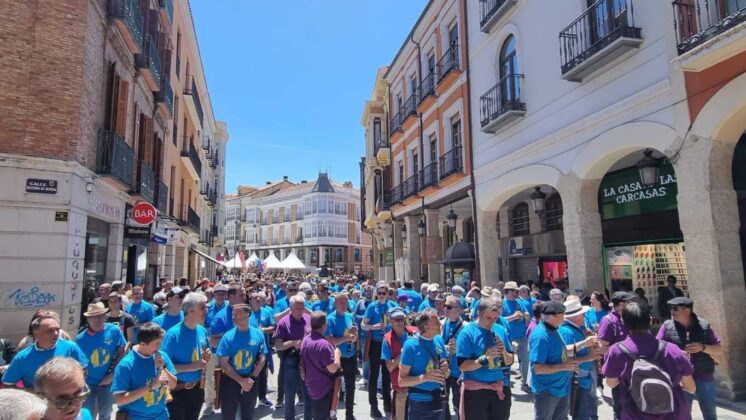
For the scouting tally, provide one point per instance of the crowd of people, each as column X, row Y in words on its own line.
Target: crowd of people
column 432, row 353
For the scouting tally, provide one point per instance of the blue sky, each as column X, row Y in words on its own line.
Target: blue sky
column 291, row 77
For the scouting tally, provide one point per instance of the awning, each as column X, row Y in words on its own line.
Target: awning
column 202, row 254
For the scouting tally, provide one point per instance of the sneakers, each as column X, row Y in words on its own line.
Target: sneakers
column 525, row 388
column 279, row 405
column 265, row 402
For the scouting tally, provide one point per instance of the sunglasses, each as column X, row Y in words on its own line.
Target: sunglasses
column 450, row 306
column 382, row 293
column 63, row 404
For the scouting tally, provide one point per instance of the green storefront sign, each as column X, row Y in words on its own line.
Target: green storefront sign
column 388, row 258
column 622, row 194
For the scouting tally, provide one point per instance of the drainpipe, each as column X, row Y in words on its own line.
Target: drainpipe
column 477, row 274
column 419, row 80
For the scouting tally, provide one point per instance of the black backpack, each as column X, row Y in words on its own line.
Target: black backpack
column 650, row 385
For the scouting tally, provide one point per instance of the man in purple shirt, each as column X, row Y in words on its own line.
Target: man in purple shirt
column 611, row 331
column 696, row 337
column 321, row 364
column 618, row 366
column 291, row 329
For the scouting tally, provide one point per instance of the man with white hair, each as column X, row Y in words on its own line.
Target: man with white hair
column 423, row 291
column 585, row 351
column 432, row 293
column 556, row 295
column 19, row 405
column 288, row 336
column 61, row 381
column 186, row 344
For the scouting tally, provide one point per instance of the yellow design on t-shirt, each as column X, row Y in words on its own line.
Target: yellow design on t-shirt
column 243, row 359
column 195, row 355
column 100, row 357
column 149, row 398
column 385, row 321
column 429, row 367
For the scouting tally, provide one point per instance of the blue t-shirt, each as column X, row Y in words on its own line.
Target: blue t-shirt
column 142, row 312
column 212, row 310
column 185, row 346
column 29, row 360
column 242, row 348
column 337, row 326
column 416, row 299
column 517, row 327
column 377, row 313
column 422, row 355
column 386, row 350
column 222, row 322
column 593, row 319
column 546, row 347
column 280, row 294
column 474, row 306
column 325, row 306
column 262, row 318
column 426, row 304
column 134, row 372
column 453, row 330
column 84, row 415
column 280, row 305
column 473, row 342
column 570, row 334
column 166, row 320
column 101, row 349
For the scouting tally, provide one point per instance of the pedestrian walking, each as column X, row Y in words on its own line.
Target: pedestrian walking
column 611, row 331
column 321, row 367
column 341, row 330
column 288, row 336
column 376, row 323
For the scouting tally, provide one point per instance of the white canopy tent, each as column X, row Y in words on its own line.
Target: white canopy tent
column 292, row 262
column 272, row 263
column 234, row 263
column 252, row 259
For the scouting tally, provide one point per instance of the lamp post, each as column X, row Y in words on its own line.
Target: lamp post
column 404, row 232
column 649, row 168
column 421, row 233
column 538, row 200
column 452, row 217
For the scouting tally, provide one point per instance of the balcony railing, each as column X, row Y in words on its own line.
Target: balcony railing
column 190, row 218
column 168, row 6
column 204, row 188
column 605, row 22
column 197, row 102
column 429, row 175
column 213, row 160
column 212, row 198
column 188, row 150
column 411, row 186
column 449, row 61
column 380, row 141
column 165, row 97
column 206, row 143
column 149, row 61
column 115, row 157
column 145, row 182
column 410, row 105
column 395, row 124
column 490, row 12
column 501, row 99
column 383, row 203
column 696, row 21
column 427, row 87
column 129, row 12
column 397, row 194
column 451, row 162
column 162, row 202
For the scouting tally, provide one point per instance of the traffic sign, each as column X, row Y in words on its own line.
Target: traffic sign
column 144, row 213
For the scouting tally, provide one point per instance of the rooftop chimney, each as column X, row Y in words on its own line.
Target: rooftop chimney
column 284, row 177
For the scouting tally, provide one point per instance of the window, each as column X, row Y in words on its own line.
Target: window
column 338, row 255
column 433, row 149
column 453, row 36
column 509, row 88
column 178, row 54
column 377, row 132
column 358, row 255
column 519, row 224
column 413, row 84
column 456, row 131
column 230, row 232
column 553, row 212
column 401, row 171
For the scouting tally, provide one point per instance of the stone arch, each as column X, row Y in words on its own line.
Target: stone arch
column 491, row 196
column 722, row 118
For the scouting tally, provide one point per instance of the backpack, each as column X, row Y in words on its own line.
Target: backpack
column 650, row 385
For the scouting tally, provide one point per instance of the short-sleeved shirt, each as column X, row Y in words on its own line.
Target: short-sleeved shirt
column 262, row 318
column 518, row 326
column 416, row 299
column 612, row 330
column 289, row 328
column 324, row 306
column 101, row 349
column 317, row 353
column 242, row 348
column 426, row 304
column 474, row 307
column 547, row 348
column 572, row 334
column 359, row 311
column 386, row 353
column 280, row 305
column 222, row 322
column 212, row 309
column 618, row 365
column 166, row 320
column 593, row 319
column 422, row 356
column 133, row 372
column 29, row 360
column 473, row 342
column 184, row 346
column 124, row 321
column 452, row 330
column 142, row 312
column 377, row 313
column 337, row 326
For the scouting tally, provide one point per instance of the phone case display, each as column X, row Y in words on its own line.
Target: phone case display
column 619, row 266
column 653, row 263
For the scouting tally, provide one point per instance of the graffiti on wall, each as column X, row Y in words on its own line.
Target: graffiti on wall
column 33, row 297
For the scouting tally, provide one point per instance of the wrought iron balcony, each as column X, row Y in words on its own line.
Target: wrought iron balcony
column 490, row 12
column 383, row 203
column 429, row 176
column 206, row 143
column 380, row 141
column 149, row 63
column 697, row 21
column 190, row 157
column 197, row 102
column 145, row 185
column 192, row 219
column 395, row 124
column 409, row 108
column 427, row 87
column 162, row 202
column 167, row 10
column 502, row 103
column 449, row 62
column 397, row 194
column 411, row 186
column 165, row 98
column 212, row 198
column 115, row 158
column 602, row 34
column 213, row 161
column 451, row 162
column 128, row 18
column 204, row 188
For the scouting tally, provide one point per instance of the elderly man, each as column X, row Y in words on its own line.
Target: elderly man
column 104, row 345
column 556, row 295
column 611, row 331
column 342, row 333
column 20, row 405
column 220, row 296
column 242, row 352
column 376, row 323
column 61, row 381
column 103, row 294
column 390, row 354
column 144, row 377
column 173, row 314
column 186, row 344
column 159, row 302
column 141, row 310
column 288, row 336
column 262, row 319
column 321, row 364
column 324, row 303
column 46, row 331
column 432, row 293
column 452, row 326
column 519, row 316
column 359, row 312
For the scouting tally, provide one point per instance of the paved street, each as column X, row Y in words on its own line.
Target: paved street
column 522, row 407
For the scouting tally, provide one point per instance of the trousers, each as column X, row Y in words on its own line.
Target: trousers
column 484, row 404
column 549, row 407
column 186, row 404
column 102, row 399
column 349, row 370
column 293, row 383
column 377, row 366
column 231, row 398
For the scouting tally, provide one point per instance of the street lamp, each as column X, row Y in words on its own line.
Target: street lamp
column 649, row 168
column 538, row 199
column 421, row 228
column 452, row 219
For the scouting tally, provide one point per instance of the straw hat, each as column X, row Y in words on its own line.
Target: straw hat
column 95, row 309
column 573, row 307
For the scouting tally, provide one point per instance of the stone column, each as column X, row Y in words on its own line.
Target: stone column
column 582, row 232
column 170, row 262
column 432, row 226
column 322, row 256
column 398, row 244
column 413, row 249
column 180, row 263
column 489, row 265
column 114, row 252
column 708, row 216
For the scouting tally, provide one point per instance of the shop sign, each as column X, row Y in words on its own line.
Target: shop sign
column 41, row 186
column 144, row 213
column 388, row 258
column 137, row 232
column 622, row 194
column 160, row 240
column 108, row 209
column 61, row 216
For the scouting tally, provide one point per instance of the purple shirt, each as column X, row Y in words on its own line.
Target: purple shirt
column 289, row 328
column 612, row 330
column 317, row 353
column 672, row 360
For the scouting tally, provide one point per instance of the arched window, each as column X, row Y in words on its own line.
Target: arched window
column 519, row 220
column 553, row 212
column 509, row 71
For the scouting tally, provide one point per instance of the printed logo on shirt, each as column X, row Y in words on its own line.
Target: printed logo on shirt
column 195, row 355
column 243, row 359
column 429, row 367
column 100, row 357
column 150, row 398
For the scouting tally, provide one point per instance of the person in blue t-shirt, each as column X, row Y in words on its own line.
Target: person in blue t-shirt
column 375, row 322
column 104, row 345
column 262, row 319
column 173, row 314
column 519, row 316
column 223, row 320
column 416, row 298
column 61, row 381
column 424, row 368
column 325, row 303
column 451, row 329
column 242, row 352
column 551, row 371
column 187, row 345
column 485, row 354
column 46, row 331
column 585, row 351
column 432, row 293
column 141, row 310
column 144, row 377
column 341, row 330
